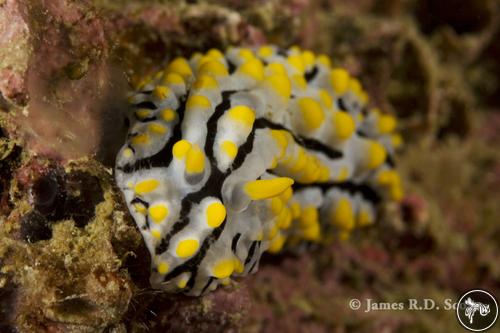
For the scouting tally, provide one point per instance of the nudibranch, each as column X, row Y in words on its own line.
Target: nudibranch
column 230, row 155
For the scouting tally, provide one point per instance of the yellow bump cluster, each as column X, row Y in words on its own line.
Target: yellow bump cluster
column 309, row 123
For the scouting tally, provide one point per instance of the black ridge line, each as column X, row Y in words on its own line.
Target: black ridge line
column 231, row 67
column 366, row 191
column 342, row 106
column 390, row 161
column 234, row 242
column 310, row 75
column 282, row 52
column 139, row 200
column 209, row 282
column 145, row 120
column 308, row 143
column 145, row 105
column 253, row 266
column 146, row 225
column 251, row 252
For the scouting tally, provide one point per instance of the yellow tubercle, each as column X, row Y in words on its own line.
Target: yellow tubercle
column 167, row 114
column 182, row 283
column 140, row 208
column 146, row 186
column 238, row 266
column 300, row 162
column 284, row 219
column 386, row 124
column 267, row 188
column 355, row 86
column 127, row 153
column 229, row 148
column 161, row 92
column 343, row 174
column 276, row 205
column 140, row 139
column 214, row 53
column 386, row 177
column 272, row 231
column 172, row 79
column 339, row 79
column 156, row 234
column 205, row 82
column 246, row 54
column 275, row 68
column 308, row 58
column 276, row 243
column 287, row 194
column 281, row 140
column 242, row 114
column 344, row 125
column 213, row 67
column 199, row 101
column 156, row 128
column 223, row 268
column 324, row 174
column 195, row 160
column 296, row 61
column 396, row 140
column 312, row 113
column 296, row 210
column 143, row 113
column 216, row 213
column 308, row 217
column 181, row 148
column 324, row 60
column 342, row 215
column 253, row 68
column 299, row 81
column 163, row 268
column 181, row 67
column 187, row 247
column 280, row 84
column 265, row 51
column 311, row 233
column 364, row 218
column 376, row 155
column 158, row 212
column 325, row 97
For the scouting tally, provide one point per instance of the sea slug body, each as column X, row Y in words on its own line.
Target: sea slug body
column 233, row 154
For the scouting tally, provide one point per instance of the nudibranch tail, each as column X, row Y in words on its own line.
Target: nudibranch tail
column 233, row 154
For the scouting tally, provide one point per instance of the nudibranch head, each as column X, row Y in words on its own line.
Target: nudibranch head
column 233, row 154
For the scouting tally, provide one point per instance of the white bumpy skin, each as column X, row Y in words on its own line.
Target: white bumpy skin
column 233, row 154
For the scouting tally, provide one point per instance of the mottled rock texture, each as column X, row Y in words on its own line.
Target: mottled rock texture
column 71, row 259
